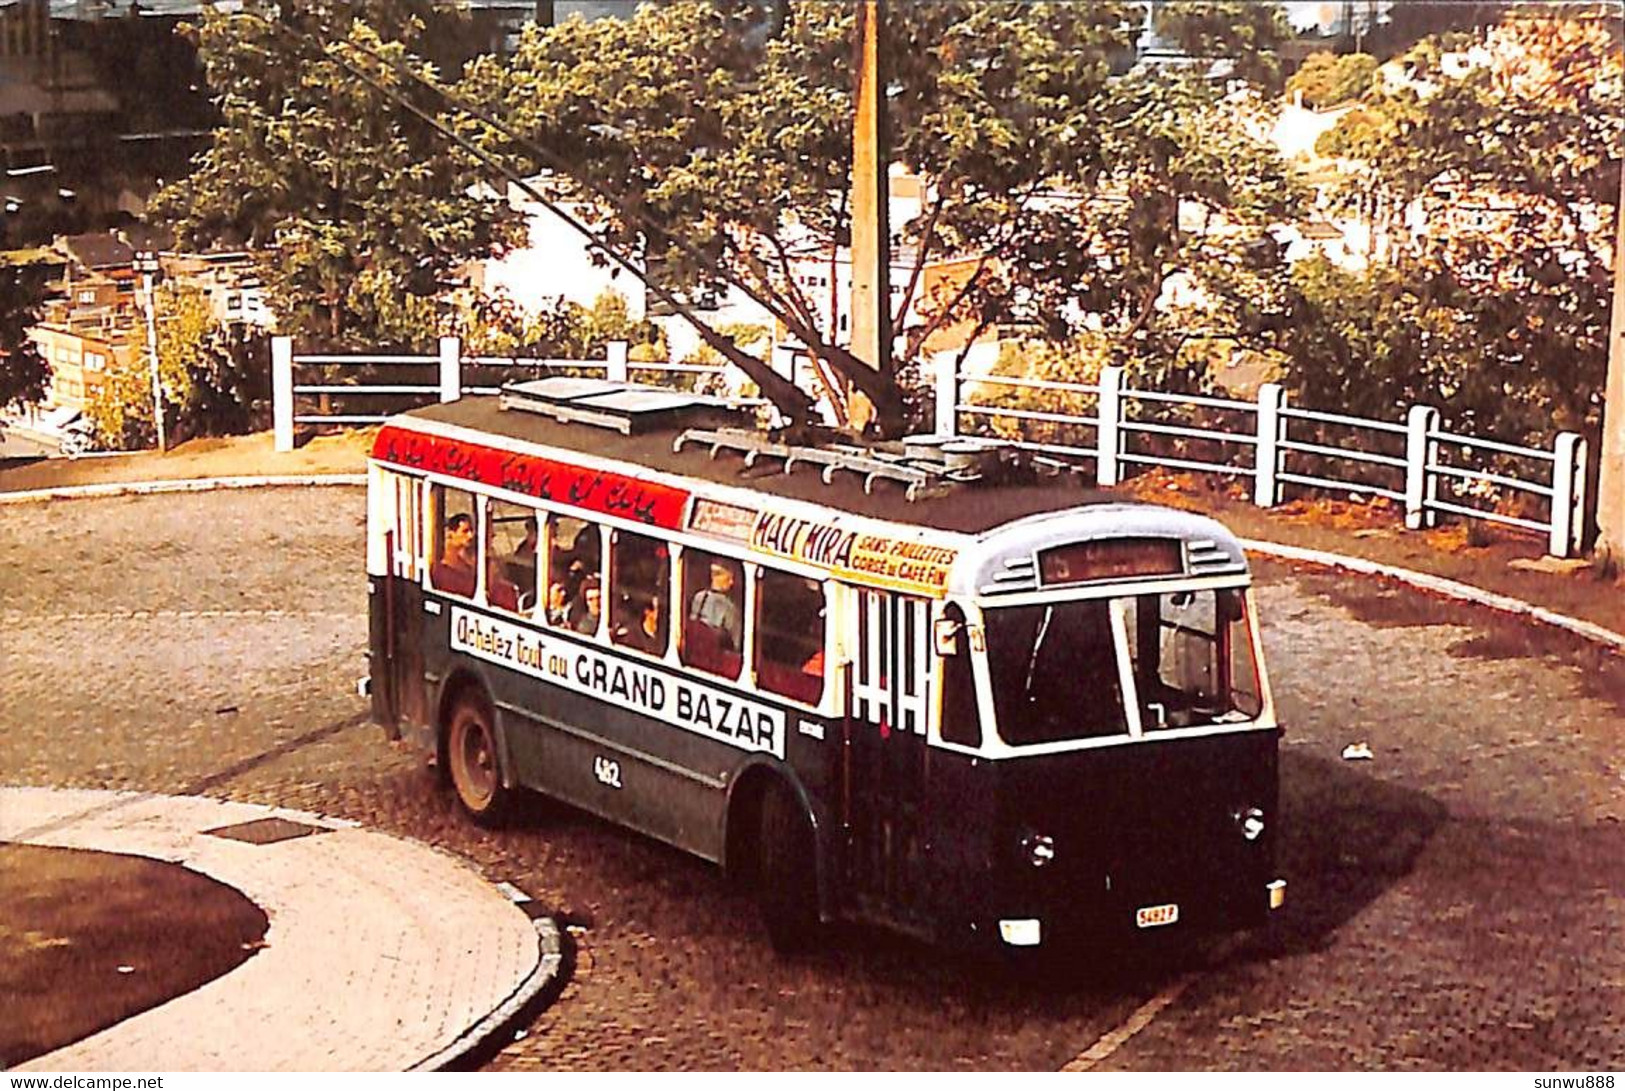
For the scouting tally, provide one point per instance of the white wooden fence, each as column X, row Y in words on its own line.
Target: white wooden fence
column 1416, row 462
column 1413, row 461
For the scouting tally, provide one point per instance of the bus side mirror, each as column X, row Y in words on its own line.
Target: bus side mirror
column 946, row 635
column 1230, row 606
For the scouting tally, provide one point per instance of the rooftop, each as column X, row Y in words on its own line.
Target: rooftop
column 970, row 508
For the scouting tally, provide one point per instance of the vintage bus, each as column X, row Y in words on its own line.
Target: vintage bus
column 930, row 687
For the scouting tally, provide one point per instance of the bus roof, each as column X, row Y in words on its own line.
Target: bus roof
column 966, row 509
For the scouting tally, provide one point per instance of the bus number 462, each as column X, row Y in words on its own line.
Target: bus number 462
column 607, row 770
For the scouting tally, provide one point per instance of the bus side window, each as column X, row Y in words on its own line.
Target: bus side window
column 961, row 721
column 790, row 636
column 510, row 557
column 574, row 574
column 713, row 613
column 640, row 586
column 456, row 544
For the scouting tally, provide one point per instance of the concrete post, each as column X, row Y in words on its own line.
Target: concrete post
column 947, row 390
column 451, row 369
column 615, row 362
column 1421, row 485
column 1109, row 426
column 282, row 393
column 1267, row 460
column 1568, row 495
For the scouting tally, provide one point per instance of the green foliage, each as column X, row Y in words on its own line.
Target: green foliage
column 1498, row 311
column 361, row 210
column 214, row 381
column 1058, row 183
column 1326, row 80
column 497, row 326
column 24, row 373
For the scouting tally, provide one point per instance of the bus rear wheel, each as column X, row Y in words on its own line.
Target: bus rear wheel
column 787, row 872
column 471, row 754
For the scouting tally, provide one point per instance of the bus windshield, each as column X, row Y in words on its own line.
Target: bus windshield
column 1056, row 668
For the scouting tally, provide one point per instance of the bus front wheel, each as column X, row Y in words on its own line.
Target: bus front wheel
column 786, row 874
column 471, row 753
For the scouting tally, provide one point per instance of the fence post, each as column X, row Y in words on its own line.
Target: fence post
column 947, row 387
column 282, row 394
column 615, row 361
column 1420, row 483
column 1109, row 426
column 451, row 369
column 1568, row 494
column 1267, row 461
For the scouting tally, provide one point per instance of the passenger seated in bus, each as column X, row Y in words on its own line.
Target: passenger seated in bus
column 500, row 591
column 716, row 606
column 643, row 633
column 454, row 572
column 525, row 551
column 585, row 611
column 558, row 604
column 520, row 567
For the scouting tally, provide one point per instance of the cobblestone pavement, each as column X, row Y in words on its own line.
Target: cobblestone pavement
column 1454, row 903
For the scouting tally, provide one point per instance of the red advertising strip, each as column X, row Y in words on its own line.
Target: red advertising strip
column 544, row 478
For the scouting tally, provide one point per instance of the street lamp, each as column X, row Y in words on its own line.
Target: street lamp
column 146, row 263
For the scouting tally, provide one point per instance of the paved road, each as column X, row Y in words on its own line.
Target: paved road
column 1456, row 901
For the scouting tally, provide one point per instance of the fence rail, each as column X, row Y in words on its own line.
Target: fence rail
column 1414, row 462
column 451, row 372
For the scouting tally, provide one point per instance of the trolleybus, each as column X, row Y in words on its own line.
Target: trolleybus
column 925, row 687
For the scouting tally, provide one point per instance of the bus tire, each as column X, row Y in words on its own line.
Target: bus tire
column 786, row 872
column 471, row 759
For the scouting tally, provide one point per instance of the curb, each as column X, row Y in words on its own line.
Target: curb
column 535, row 993
column 200, row 484
column 1464, row 592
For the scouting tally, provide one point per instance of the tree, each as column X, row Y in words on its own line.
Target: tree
column 360, row 210
column 711, row 149
column 24, row 373
column 1498, row 311
column 1326, row 80
column 213, row 379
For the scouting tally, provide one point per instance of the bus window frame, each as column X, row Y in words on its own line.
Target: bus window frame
column 611, row 566
column 1264, row 721
column 754, row 571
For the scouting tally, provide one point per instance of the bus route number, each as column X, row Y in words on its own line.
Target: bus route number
column 607, row 770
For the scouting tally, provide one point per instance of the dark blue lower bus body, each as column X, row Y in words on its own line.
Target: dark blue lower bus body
column 930, row 841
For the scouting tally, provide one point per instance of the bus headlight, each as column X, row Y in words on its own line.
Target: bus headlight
column 1250, row 822
column 1038, row 849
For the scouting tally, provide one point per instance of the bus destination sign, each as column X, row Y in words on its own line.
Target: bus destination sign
column 682, row 702
column 544, row 478
column 868, row 558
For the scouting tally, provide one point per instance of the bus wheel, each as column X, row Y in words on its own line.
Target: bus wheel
column 786, row 874
column 471, row 752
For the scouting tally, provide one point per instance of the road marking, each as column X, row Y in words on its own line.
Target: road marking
column 1113, row 1040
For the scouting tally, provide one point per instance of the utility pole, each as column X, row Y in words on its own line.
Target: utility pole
column 1610, row 549
column 871, row 226
column 146, row 263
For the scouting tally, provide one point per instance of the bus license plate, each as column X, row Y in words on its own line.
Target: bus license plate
column 1153, row 915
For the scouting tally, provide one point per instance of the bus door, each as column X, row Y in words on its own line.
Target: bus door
column 398, row 688
column 886, row 790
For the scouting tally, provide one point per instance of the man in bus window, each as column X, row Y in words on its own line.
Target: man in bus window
column 588, row 608
column 715, row 606
column 558, row 604
column 644, row 634
column 454, row 572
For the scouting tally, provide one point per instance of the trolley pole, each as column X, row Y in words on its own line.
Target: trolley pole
column 871, row 227
column 1610, row 548
column 146, row 263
